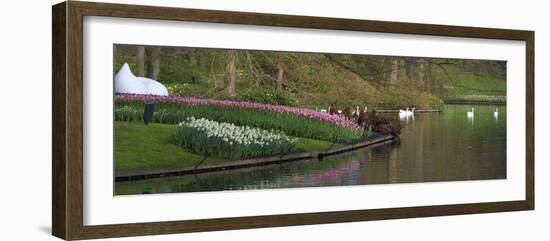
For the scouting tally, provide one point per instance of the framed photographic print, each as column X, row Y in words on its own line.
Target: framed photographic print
column 170, row 120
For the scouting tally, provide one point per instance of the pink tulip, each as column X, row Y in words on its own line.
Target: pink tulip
column 338, row 120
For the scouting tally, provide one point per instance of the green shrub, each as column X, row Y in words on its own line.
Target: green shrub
column 122, row 57
column 399, row 98
column 268, row 96
column 179, row 69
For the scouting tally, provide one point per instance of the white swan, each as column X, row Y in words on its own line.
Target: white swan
column 127, row 82
column 411, row 113
column 470, row 114
column 404, row 113
column 495, row 114
column 355, row 114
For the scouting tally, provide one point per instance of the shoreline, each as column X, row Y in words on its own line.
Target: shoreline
column 415, row 111
column 247, row 163
column 450, row 102
column 474, row 102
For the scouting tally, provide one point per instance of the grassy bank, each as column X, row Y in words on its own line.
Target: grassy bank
column 469, row 87
column 139, row 147
column 467, row 99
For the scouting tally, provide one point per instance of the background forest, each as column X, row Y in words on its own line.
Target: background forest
column 316, row 80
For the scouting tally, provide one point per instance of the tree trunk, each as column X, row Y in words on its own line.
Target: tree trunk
column 394, row 70
column 231, row 72
column 280, row 72
column 153, row 62
column 141, row 61
column 409, row 71
column 421, row 73
column 194, row 57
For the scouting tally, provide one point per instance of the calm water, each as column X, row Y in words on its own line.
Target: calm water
column 444, row 146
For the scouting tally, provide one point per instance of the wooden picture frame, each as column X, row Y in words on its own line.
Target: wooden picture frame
column 67, row 124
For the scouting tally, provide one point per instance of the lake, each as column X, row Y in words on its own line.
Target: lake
column 443, row 146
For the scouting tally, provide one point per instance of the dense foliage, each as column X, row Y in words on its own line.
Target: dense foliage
column 315, row 80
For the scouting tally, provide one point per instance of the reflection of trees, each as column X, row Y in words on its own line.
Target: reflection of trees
column 419, row 151
column 393, row 172
column 333, row 177
column 333, row 171
column 440, row 147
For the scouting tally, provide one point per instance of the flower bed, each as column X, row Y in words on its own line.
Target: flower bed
column 228, row 140
column 293, row 125
column 338, row 120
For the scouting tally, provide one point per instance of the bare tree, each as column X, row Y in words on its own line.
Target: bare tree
column 153, row 62
column 194, row 57
column 394, row 70
column 421, row 72
column 280, row 73
column 141, row 61
column 231, row 71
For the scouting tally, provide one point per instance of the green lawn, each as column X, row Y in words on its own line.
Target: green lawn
column 467, row 86
column 140, row 147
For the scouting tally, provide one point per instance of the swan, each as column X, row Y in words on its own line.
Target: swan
column 495, row 114
column 355, row 114
column 407, row 113
column 470, row 114
column 404, row 113
column 412, row 111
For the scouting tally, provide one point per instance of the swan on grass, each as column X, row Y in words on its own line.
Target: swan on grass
column 470, row 114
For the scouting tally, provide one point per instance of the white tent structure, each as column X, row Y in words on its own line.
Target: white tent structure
column 127, row 82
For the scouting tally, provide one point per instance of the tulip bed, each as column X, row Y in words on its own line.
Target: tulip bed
column 228, row 140
column 291, row 124
column 193, row 101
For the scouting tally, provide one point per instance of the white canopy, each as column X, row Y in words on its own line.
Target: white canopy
column 127, row 82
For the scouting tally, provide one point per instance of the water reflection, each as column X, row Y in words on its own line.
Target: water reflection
column 446, row 146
